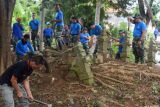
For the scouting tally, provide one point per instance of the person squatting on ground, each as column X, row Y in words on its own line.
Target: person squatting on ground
column 96, row 30
column 75, row 30
column 121, row 41
column 17, row 32
column 23, row 47
column 16, row 79
column 58, row 26
column 138, row 37
column 34, row 27
column 48, row 34
column 84, row 39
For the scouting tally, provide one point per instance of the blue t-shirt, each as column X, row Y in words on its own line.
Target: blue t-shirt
column 96, row 31
column 121, row 41
column 138, row 29
column 21, row 70
column 23, row 48
column 84, row 37
column 17, row 31
column 47, row 32
column 34, row 24
column 59, row 16
column 156, row 31
column 75, row 28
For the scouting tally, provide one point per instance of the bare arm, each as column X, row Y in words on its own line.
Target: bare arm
column 115, row 39
column 56, row 20
column 15, row 86
column 130, row 19
column 143, row 35
column 27, row 88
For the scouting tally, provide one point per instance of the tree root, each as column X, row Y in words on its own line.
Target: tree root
column 105, row 85
column 114, row 80
column 115, row 103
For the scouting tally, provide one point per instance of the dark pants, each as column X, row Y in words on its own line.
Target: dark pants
column 138, row 50
column 155, row 36
column 86, row 47
column 74, row 38
column 35, row 39
column 48, row 41
column 118, row 56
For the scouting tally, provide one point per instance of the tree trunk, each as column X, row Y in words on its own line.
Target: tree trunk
column 97, row 14
column 6, row 10
column 149, row 14
column 42, row 15
column 141, row 8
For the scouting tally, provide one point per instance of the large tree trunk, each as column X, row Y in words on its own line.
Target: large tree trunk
column 6, row 10
column 141, row 8
column 97, row 14
column 42, row 16
column 148, row 14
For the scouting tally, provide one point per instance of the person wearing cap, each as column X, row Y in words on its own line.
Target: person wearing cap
column 47, row 34
column 75, row 30
column 17, row 31
column 138, row 37
column 96, row 29
column 84, row 39
column 15, row 80
column 58, row 26
column 121, row 41
column 34, row 27
column 23, row 47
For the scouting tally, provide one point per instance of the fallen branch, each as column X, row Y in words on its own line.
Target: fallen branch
column 114, row 80
column 105, row 85
column 115, row 103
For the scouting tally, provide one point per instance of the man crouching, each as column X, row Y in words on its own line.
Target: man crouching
column 16, row 78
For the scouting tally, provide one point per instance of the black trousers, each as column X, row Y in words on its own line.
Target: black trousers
column 138, row 50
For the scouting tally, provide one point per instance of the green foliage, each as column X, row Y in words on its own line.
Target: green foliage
column 123, row 26
column 24, row 9
column 84, row 9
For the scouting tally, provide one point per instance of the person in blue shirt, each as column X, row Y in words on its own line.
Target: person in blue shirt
column 84, row 39
column 48, row 34
column 24, row 47
column 75, row 30
column 58, row 26
column 121, row 41
column 34, row 27
column 138, row 38
column 96, row 30
column 156, row 32
column 59, row 21
column 17, row 32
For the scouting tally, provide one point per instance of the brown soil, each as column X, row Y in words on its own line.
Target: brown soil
column 117, row 84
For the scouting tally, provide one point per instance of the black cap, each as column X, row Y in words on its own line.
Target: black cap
column 121, row 31
column 26, row 36
column 137, row 16
column 57, row 4
column 73, row 17
column 85, row 28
